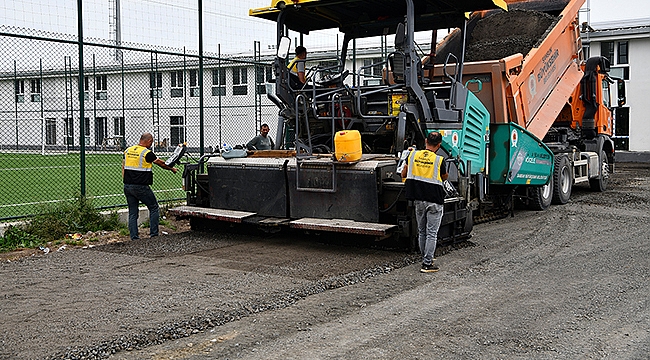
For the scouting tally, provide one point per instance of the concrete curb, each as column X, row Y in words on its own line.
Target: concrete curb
column 633, row 156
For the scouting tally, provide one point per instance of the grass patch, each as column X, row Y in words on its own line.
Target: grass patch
column 54, row 221
column 32, row 179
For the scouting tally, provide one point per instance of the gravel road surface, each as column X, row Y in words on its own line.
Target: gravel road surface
column 570, row 282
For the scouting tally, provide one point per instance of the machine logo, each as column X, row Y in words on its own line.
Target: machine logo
column 454, row 139
column 513, row 138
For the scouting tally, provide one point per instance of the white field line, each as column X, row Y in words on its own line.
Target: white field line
column 57, row 167
column 96, row 197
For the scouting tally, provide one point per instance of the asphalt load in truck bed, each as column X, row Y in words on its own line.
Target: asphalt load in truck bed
column 569, row 282
column 498, row 35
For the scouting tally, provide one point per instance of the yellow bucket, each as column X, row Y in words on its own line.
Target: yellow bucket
column 347, row 146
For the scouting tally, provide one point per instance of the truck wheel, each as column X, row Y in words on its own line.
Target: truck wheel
column 600, row 183
column 562, row 180
column 541, row 196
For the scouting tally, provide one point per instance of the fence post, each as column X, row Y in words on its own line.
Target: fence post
column 201, row 130
column 82, row 132
column 94, row 92
column 220, row 96
column 16, row 100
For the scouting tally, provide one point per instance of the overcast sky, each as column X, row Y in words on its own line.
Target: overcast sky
column 173, row 23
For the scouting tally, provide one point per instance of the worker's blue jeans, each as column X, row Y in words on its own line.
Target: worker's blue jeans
column 134, row 195
column 429, row 216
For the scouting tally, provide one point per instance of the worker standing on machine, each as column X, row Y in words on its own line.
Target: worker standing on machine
column 137, row 175
column 425, row 173
column 297, row 67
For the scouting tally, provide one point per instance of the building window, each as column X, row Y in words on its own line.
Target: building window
column 36, row 90
column 622, row 53
column 50, row 131
column 69, row 131
column 87, row 128
column 259, row 74
column 177, row 129
column 100, row 87
column 620, row 72
column 219, row 82
column 218, row 91
column 118, row 126
column 155, row 83
column 622, row 128
column 100, row 130
column 194, row 84
column 19, row 86
column 269, row 74
column 585, row 52
column 607, row 50
column 239, row 81
column 367, row 70
column 177, row 83
column 86, row 87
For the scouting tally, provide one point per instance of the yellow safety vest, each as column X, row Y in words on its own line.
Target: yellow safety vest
column 424, row 165
column 293, row 65
column 134, row 159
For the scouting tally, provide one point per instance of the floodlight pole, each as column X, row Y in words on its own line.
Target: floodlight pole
column 201, row 130
column 82, row 132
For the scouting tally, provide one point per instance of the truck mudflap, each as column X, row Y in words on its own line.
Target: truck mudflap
column 517, row 157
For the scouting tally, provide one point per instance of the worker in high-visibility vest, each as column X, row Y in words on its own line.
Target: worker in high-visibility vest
column 425, row 173
column 137, row 175
column 297, row 66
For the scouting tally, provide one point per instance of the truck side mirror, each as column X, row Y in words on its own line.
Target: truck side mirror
column 283, row 47
column 620, row 84
column 400, row 36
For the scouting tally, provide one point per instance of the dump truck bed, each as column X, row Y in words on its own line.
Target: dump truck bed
column 531, row 88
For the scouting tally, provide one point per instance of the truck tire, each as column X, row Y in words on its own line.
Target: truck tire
column 600, row 183
column 541, row 196
column 562, row 180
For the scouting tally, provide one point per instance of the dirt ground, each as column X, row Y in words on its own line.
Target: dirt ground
column 570, row 282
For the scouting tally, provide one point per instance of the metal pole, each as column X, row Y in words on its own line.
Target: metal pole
column 154, row 90
column 158, row 90
column 184, row 90
column 40, row 85
column 95, row 103
column 40, row 66
column 82, row 132
column 123, row 122
column 201, row 130
column 354, row 62
column 220, row 86
column 16, row 99
column 68, row 128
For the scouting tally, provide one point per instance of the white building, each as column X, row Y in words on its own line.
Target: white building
column 627, row 45
column 39, row 109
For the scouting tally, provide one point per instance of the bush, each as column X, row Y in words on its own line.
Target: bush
column 16, row 237
column 54, row 221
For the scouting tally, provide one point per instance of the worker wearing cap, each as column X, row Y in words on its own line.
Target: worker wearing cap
column 297, row 65
column 137, row 175
column 425, row 172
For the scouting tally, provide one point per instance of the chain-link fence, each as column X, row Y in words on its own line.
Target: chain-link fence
column 63, row 131
column 51, row 150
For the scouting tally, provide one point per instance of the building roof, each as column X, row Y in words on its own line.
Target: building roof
column 629, row 29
